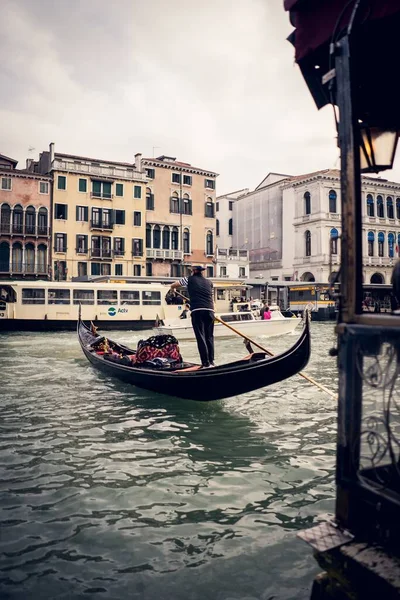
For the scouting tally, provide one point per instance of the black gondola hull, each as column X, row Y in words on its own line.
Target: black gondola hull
column 217, row 383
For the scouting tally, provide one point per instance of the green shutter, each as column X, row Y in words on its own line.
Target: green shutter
column 106, row 189
column 137, row 193
column 96, row 188
column 86, row 213
column 119, row 189
column 61, row 182
column 82, row 185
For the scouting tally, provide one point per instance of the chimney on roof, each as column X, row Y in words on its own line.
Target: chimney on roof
column 138, row 161
column 51, row 148
column 29, row 162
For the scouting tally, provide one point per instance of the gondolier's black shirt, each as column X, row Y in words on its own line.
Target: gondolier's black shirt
column 200, row 292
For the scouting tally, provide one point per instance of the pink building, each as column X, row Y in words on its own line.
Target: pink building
column 24, row 222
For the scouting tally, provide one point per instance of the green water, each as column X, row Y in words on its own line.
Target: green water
column 112, row 492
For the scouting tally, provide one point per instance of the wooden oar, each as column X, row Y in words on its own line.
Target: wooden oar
column 303, row 375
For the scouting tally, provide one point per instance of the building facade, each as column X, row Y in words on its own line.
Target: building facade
column 232, row 263
column 98, row 215
column 24, row 222
column 224, row 214
column 180, row 217
column 308, row 232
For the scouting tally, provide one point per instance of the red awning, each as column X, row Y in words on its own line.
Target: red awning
column 316, row 21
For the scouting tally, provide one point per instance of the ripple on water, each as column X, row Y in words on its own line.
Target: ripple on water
column 107, row 490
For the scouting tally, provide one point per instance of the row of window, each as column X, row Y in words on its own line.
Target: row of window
column 230, row 204
column 19, row 221
column 178, row 178
column 6, row 185
column 90, row 297
column 104, row 218
column 167, row 238
column 334, row 236
column 101, row 246
column 391, row 213
column 100, row 189
column 104, row 268
column 392, row 209
column 230, row 227
column 20, row 258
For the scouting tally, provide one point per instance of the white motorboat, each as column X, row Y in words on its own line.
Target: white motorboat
column 244, row 321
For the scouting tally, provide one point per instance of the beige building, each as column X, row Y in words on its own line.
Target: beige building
column 180, row 217
column 98, row 215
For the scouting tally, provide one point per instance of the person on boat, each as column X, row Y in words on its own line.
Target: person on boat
column 265, row 313
column 185, row 312
column 200, row 292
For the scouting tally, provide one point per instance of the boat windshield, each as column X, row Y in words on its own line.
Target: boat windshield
column 242, row 316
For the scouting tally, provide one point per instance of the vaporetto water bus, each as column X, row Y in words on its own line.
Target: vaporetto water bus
column 112, row 304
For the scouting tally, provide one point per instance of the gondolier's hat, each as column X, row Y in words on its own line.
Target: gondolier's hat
column 198, row 268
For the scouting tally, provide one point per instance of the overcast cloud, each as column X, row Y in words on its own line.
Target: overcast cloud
column 213, row 83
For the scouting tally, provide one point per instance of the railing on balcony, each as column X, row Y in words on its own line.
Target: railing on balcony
column 23, row 268
column 101, row 195
column 18, row 229
column 232, row 254
column 115, row 172
column 118, row 252
column 94, row 224
column 102, row 253
column 164, row 254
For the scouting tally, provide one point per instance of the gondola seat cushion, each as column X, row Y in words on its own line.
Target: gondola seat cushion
column 158, row 346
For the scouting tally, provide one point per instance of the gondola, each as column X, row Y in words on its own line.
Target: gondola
column 189, row 381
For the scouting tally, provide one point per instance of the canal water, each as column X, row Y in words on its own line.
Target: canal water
column 111, row 492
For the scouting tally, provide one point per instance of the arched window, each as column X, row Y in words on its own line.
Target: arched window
column 187, row 205
column 156, row 236
column 377, row 278
column 149, row 199
column 398, row 208
column 42, row 258
column 5, row 218
column 175, row 239
column 230, row 227
column 380, row 209
column 217, row 226
column 381, row 242
column 334, row 240
column 307, row 236
column 209, row 243
column 42, row 221
column 148, row 236
column 391, row 239
column 166, row 235
column 389, row 208
column 307, row 276
column 30, row 220
column 209, row 208
column 29, row 258
column 332, row 201
column 186, row 241
column 371, row 241
column 4, row 257
column 17, row 219
column 370, row 206
column 174, row 203
column 307, row 203
column 17, row 258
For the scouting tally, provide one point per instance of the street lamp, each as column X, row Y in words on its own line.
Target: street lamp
column 377, row 148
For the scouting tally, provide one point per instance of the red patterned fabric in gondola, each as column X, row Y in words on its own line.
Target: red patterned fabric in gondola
column 158, row 346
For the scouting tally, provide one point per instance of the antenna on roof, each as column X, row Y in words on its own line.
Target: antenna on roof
column 155, row 148
column 31, row 148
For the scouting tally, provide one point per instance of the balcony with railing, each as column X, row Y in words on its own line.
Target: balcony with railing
column 118, row 252
column 101, row 225
column 24, row 230
column 232, row 254
column 100, row 253
column 99, row 170
column 21, row 268
column 162, row 254
column 101, row 195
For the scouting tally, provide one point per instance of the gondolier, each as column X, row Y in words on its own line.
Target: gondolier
column 202, row 312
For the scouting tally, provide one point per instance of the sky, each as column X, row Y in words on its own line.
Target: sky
column 212, row 83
